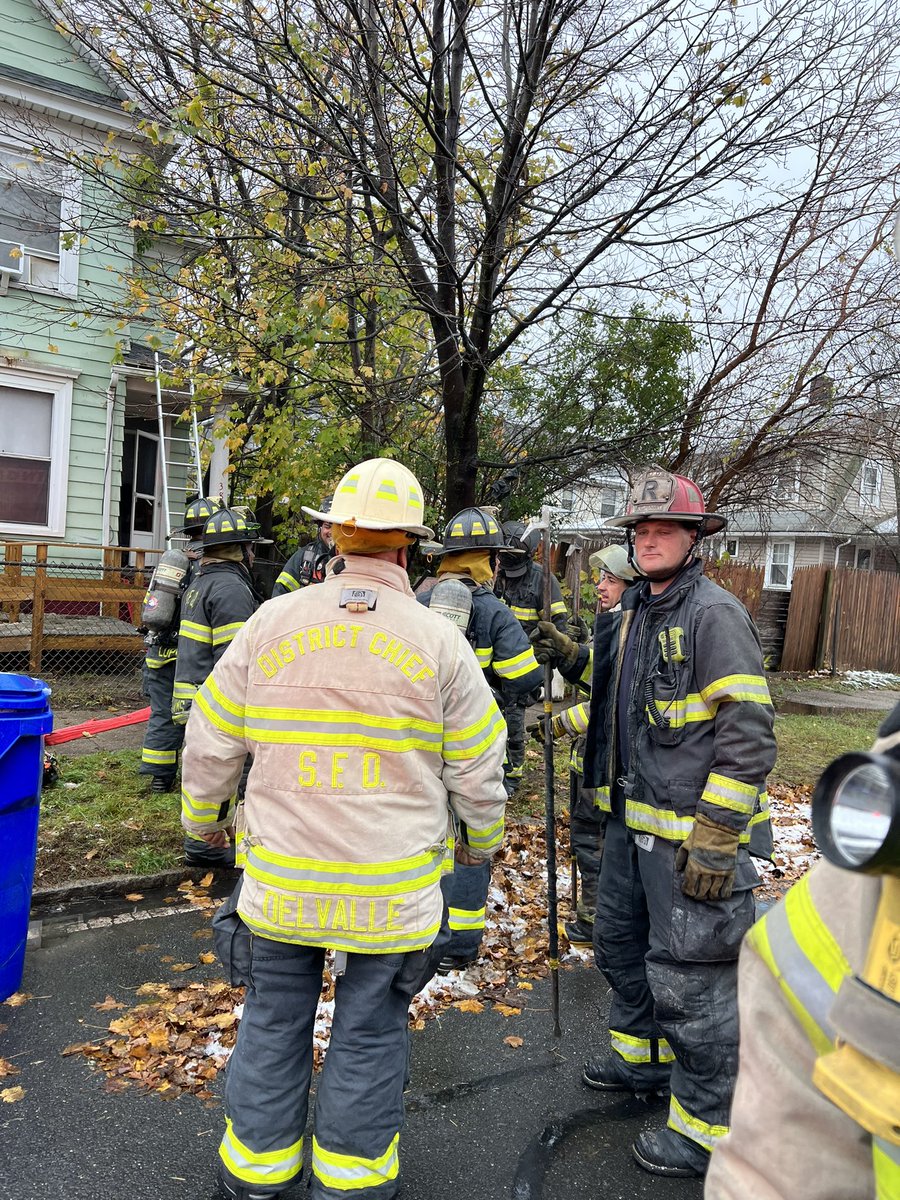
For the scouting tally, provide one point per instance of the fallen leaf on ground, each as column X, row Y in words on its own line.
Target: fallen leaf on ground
column 6, row 1068
column 167, row 958
column 207, row 957
column 525, row 987
column 474, row 1006
column 17, row 999
column 142, row 949
column 183, row 966
column 135, row 896
column 515, row 1042
column 107, row 1005
column 507, row 1010
column 11, row 1095
column 91, row 854
column 206, row 880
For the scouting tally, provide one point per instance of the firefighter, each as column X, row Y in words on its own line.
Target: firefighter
column 817, row 971
column 587, row 821
column 520, row 585
column 218, row 601
column 163, row 738
column 307, row 565
column 366, row 716
column 681, row 731
column 472, row 541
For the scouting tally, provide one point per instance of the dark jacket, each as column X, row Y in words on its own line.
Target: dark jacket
column 503, row 651
column 699, row 719
column 218, row 601
column 524, row 595
column 305, row 566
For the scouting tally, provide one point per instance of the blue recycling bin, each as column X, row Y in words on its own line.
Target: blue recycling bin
column 25, row 718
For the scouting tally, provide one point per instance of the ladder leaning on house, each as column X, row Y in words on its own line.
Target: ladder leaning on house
column 166, row 443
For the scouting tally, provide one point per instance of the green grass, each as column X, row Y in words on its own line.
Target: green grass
column 807, row 744
column 109, row 824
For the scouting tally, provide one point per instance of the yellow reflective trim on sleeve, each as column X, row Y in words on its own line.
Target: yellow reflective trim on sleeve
column 886, row 1164
column 222, row 634
column 524, row 614
column 496, row 729
column 219, row 711
column 264, row 1168
column 466, row 918
column 199, row 812
column 485, row 655
column 163, row 758
column 753, row 688
column 488, row 838
column 516, row 667
column 732, row 794
column 288, row 582
column 348, row 1172
column 557, row 608
column 662, row 822
column 692, row 1127
column 196, row 632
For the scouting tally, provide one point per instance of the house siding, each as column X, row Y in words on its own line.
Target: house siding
column 30, row 42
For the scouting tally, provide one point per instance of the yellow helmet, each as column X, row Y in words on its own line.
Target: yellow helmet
column 377, row 494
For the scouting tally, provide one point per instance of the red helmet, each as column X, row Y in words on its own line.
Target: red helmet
column 658, row 495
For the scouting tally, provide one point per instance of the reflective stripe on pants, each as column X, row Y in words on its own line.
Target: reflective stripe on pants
column 162, row 738
column 465, row 892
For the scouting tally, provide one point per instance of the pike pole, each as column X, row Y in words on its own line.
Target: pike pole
column 577, row 555
column 549, row 788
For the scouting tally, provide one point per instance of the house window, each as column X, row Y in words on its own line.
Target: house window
column 35, row 412
column 787, row 481
column 779, row 564
column 610, row 502
column 39, row 214
column 870, row 483
column 566, row 500
column 732, row 546
column 863, row 558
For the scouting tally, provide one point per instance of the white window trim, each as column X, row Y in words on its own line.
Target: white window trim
column 69, row 224
column 57, row 499
column 780, row 587
column 876, row 500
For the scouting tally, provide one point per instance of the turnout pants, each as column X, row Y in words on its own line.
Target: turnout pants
column 514, row 715
column 359, row 1104
column 465, row 894
column 672, row 965
column 586, row 829
column 163, row 738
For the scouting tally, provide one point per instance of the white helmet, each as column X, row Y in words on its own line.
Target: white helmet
column 378, row 494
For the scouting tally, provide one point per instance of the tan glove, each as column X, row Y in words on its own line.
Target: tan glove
column 551, row 646
column 708, row 857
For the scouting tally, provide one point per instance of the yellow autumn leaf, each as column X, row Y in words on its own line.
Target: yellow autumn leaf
column 207, row 957
column 225, row 1020
column 183, row 966
column 158, row 1037
column 525, row 987
column 469, row 1005
column 206, row 880
column 507, row 1010
column 135, row 896
column 107, row 1005
column 11, row 1095
column 120, row 1025
column 515, row 1042
column 17, row 999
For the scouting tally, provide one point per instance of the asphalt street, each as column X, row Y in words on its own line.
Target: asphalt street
column 485, row 1121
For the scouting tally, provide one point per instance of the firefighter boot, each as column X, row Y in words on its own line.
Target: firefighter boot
column 579, row 933
column 161, row 784
column 665, row 1152
column 609, row 1073
column 239, row 1191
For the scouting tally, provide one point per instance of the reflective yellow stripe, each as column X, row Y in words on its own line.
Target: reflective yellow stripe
column 466, row 918
column 557, row 607
column 354, row 942
column 349, row 1172
column 323, row 727
column 602, row 800
column 200, row 812
column 587, row 673
column 515, row 668
column 219, row 710
column 288, row 582
column 763, row 813
column 165, row 758
column 571, row 721
column 474, row 739
column 485, row 655
column 223, row 634
column 753, row 688
column 692, row 709
column 184, row 690
column 487, row 839
column 806, row 960
column 264, row 1168
column 196, row 632
column 662, row 822
column 692, row 1127
column 886, row 1163
column 322, row 877
column 729, row 793
column 640, row 1050
column 524, row 614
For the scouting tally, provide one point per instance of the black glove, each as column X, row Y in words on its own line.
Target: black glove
column 551, row 646
column 535, row 729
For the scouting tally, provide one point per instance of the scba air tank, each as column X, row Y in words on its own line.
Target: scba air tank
column 453, row 600
column 166, row 585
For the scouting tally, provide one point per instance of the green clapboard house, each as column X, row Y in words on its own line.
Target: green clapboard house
column 81, row 460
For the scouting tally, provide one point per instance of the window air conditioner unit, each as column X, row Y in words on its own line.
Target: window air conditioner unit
column 13, row 263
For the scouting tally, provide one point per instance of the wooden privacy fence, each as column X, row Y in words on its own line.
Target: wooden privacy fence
column 844, row 617
column 67, row 605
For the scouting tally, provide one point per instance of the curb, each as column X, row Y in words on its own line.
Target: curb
column 115, row 886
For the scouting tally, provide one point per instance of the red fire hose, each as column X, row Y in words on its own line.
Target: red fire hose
column 94, row 726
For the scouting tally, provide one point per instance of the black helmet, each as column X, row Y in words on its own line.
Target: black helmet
column 227, row 527
column 245, row 511
column 522, row 543
column 473, row 529
column 196, row 515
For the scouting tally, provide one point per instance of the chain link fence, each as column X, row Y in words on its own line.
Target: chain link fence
column 72, row 612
